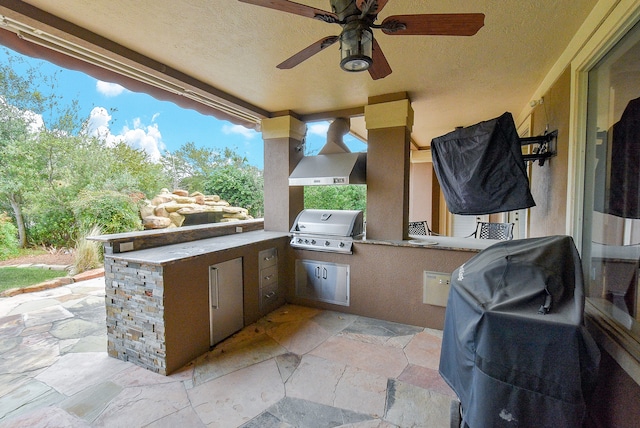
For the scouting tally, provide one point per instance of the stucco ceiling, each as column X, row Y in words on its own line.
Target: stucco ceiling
column 452, row 81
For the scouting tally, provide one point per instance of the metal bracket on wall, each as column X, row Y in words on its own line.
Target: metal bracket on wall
column 545, row 149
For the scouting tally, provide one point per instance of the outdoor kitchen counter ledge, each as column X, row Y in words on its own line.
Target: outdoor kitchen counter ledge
column 435, row 242
column 186, row 250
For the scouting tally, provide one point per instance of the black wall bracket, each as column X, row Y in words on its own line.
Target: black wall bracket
column 545, row 149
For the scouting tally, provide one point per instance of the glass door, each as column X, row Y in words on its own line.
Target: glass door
column 611, row 227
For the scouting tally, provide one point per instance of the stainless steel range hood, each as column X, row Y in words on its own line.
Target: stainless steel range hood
column 334, row 165
column 323, row 170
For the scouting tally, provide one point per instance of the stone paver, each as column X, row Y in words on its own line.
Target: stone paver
column 297, row 367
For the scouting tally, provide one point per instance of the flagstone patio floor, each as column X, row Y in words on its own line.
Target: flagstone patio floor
column 296, row 367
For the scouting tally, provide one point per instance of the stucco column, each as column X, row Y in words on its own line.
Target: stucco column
column 282, row 151
column 389, row 120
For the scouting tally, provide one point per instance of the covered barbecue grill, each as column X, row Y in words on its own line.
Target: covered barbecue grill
column 327, row 230
column 481, row 169
column 515, row 349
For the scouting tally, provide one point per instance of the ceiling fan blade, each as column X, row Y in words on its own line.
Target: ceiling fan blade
column 379, row 5
column 295, row 8
column 446, row 24
column 307, row 52
column 380, row 67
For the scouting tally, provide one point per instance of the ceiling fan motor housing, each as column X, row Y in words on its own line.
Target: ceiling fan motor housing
column 356, row 46
column 356, row 39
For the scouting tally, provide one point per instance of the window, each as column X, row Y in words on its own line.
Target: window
column 611, row 226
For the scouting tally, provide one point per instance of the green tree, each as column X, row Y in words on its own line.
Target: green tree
column 47, row 160
column 241, row 186
column 130, row 170
column 190, row 167
column 351, row 197
column 15, row 181
column 224, row 173
column 30, row 119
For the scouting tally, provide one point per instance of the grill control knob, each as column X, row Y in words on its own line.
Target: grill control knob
column 313, row 242
column 299, row 240
column 327, row 243
column 341, row 244
column 306, row 241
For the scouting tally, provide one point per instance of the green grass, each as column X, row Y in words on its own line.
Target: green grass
column 13, row 277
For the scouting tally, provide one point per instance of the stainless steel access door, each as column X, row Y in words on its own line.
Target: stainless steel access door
column 326, row 282
column 226, row 314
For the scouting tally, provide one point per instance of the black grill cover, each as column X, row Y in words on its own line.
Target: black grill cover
column 623, row 189
column 509, row 364
column 481, row 169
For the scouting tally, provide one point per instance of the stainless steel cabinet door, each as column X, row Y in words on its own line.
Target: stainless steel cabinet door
column 226, row 315
column 326, row 282
column 335, row 283
column 308, row 279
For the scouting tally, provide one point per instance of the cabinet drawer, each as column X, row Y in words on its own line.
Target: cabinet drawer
column 267, row 258
column 269, row 297
column 268, row 276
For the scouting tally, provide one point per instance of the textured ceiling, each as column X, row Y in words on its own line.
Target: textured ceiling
column 452, row 81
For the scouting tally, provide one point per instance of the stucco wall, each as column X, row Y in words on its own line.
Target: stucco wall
column 420, row 182
column 614, row 403
column 549, row 182
column 386, row 281
column 186, row 298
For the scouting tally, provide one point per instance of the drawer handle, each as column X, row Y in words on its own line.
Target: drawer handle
column 270, row 295
column 268, row 277
column 266, row 259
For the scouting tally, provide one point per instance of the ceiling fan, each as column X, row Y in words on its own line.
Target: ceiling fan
column 359, row 50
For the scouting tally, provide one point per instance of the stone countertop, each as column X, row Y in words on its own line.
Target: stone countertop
column 436, row 243
column 174, row 252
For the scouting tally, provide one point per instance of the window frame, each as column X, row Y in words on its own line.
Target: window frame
column 621, row 17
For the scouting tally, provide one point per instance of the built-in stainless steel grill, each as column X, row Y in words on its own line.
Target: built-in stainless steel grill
column 327, row 230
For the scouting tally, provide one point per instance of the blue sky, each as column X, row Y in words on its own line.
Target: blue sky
column 160, row 126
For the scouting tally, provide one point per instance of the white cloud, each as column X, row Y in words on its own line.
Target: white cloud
column 320, row 128
column 109, row 89
column 35, row 121
column 139, row 136
column 239, row 129
column 98, row 125
column 146, row 138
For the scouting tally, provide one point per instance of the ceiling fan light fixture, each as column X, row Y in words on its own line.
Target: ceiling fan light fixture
column 356, row 47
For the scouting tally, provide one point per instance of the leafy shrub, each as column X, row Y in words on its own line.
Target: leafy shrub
column 55, row 227
column 87, row 254
column 111, row 211
column 241, row 187
column 351, row 197
column 8, row 238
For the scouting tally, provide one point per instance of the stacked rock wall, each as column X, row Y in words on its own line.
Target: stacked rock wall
column 178, row 208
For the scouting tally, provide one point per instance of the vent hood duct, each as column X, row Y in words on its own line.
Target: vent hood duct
column 334, row 165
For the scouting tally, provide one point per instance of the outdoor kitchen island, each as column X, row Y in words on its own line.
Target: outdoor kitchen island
column 387, row 277
column 158, row 298
column 158, row 295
